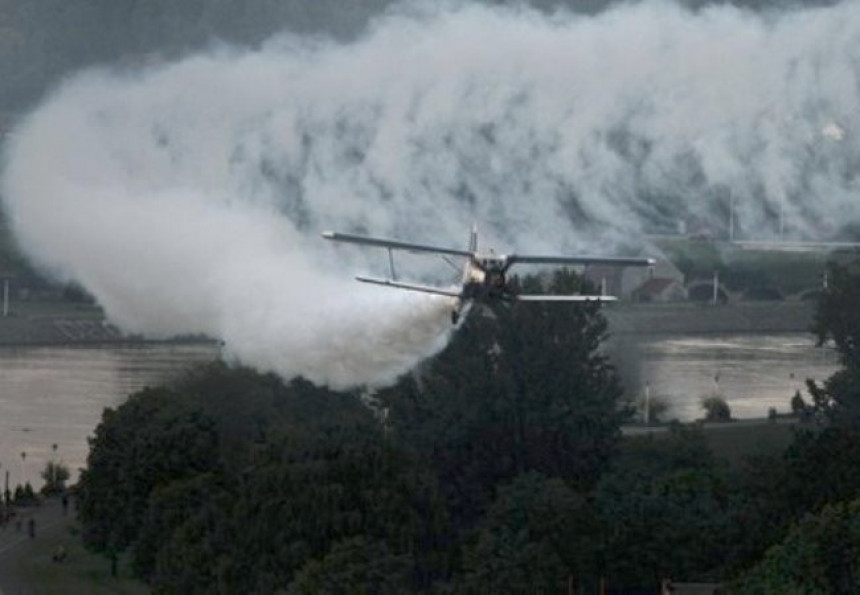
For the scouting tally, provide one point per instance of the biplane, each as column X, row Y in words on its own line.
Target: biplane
column 484, row 274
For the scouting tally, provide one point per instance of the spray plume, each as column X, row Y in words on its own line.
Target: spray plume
column 187, row 196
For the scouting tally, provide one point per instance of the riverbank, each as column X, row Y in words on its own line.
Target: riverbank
column 51, row 323
column 693, row 318
column 64, row 324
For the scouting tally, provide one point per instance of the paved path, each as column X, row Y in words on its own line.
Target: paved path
column 16, row 545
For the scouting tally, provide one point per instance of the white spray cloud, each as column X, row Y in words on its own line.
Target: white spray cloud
column 187, row 196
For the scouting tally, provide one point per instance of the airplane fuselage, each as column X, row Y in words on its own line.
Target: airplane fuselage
column 484, row 280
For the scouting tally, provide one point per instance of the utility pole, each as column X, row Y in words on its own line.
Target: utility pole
column 647, row 403
column 731, row 216
column 781, row 218
column 54, row 467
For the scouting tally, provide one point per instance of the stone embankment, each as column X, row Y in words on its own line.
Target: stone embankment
column 624, row 319
column 697, row 318
column 57, row 331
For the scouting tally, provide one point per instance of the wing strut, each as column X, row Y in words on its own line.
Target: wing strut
column 391, row 264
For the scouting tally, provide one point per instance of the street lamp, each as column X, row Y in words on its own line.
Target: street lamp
column 54, row 467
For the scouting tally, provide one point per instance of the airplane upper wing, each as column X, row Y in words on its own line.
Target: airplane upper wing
column 640, row 262
column 566, row 298
column 410, row 286
column 391, row 244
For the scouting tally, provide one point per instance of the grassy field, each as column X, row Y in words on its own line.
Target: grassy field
column 734, row 443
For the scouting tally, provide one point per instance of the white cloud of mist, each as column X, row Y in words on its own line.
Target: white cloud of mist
column 187, row 197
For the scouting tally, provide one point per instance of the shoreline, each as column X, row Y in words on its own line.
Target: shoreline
column 691, row 318
column 72, row 331
column 676, row 318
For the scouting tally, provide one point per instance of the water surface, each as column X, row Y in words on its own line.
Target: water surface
column 752, row 372
column 55, row 396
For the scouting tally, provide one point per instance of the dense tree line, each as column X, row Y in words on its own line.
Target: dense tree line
column 495, row 467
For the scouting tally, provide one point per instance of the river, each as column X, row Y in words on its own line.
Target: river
column 55, row 395
column 752, row 372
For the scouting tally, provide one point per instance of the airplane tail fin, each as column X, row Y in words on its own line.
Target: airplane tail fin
column 473, row 238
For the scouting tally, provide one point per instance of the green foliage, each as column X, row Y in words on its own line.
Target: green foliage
column 822, row 468
column 821, row 554
column 355, row 565
column 536, row 536
column 24, row 495
column 342, row 483
column 838, row 319
column 716, row 408
column 518, row 389
column 55, row 476
column 169, row 508
column 657, row 409
column 799, row 407
column 818, row 468
column 664, row 508
column 151, row 440
column 306, row 469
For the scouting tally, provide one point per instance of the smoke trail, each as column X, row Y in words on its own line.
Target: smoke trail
column 187, row 196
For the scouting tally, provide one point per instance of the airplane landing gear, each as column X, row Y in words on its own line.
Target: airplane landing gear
column 455, row 316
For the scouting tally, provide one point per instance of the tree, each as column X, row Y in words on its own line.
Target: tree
column 537, row 536
column 654, row 408
column 55, row 475
column 821, row 554
column 152, row 439
column 356, row 565
column 819, row 468
column 520, row 388
column 305, row 469
column 169, row 509
column 799, row 407
column 716, row 408
column 665, row 511
column 343, row 482
column 837, row 318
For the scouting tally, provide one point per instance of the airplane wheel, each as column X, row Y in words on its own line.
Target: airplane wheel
column 455, row 316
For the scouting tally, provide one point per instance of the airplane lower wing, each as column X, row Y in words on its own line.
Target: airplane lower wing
column 409, row 286
column 566, row 298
